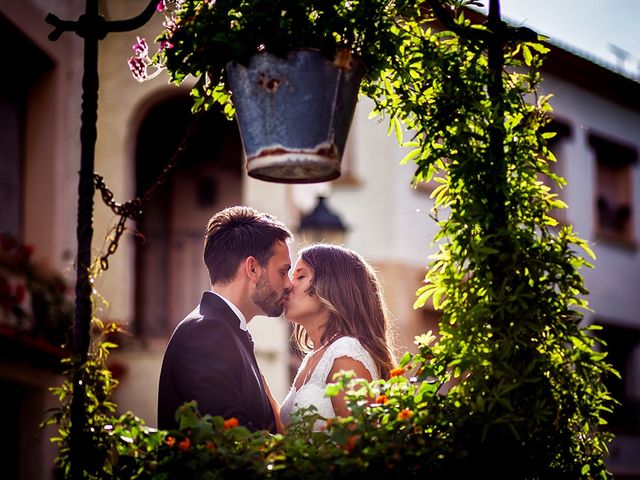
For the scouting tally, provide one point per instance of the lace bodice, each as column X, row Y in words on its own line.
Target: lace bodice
column 312, row 392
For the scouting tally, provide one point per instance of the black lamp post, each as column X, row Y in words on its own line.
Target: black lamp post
column 92, row 27
column 322, row 225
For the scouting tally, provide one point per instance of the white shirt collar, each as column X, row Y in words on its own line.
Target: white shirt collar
column 236, row 310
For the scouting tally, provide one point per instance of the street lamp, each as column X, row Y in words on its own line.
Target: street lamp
column 322, row 225
column 92, row 27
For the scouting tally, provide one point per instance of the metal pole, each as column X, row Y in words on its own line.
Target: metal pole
column 84, row 234
column 495, row 89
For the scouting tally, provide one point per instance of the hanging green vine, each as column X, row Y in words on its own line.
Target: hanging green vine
column 530, row 396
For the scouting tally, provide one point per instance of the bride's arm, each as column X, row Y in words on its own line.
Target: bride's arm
column 275, row 406
column 346, row 363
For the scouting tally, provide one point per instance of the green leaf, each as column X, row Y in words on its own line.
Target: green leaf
column 405, row 359
column 538, row 47
column 398, row 127
column 332, row 389
column 410, row 156
column 526, row 53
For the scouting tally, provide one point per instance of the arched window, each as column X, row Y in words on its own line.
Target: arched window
column 170, row 272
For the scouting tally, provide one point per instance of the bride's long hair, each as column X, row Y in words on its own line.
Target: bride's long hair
column 349, row 288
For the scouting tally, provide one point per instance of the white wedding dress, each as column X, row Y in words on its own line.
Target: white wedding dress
column 312, row 392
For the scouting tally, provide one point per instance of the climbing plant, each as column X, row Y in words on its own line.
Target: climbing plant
column 513, row 385
column 529, row 396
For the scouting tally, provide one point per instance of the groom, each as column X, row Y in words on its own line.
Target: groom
column 210, row 356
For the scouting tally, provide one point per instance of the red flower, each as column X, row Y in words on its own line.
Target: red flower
column 231, row 423
column 7, row 242
column 19, row 295
column 171, row 441
column 396, row 372
column 185, row 444
column 210, row 446
column 25, row 252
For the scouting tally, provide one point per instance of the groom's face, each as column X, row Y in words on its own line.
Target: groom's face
column 274, row 285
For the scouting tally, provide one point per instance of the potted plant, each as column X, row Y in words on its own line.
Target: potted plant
column 294, row 67
column 35, row 313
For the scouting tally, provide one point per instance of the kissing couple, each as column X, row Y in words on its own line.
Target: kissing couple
column 332, row 296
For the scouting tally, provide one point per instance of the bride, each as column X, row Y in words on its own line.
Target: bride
column 340, row 321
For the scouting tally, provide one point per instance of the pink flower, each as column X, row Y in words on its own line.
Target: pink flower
column 138, row 68
column 140, row 48
column 170, row 25
column 160, row 6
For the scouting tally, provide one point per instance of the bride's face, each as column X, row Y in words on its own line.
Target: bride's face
column 301, row 307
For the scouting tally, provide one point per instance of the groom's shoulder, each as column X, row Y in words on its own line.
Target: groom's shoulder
column 203, row 323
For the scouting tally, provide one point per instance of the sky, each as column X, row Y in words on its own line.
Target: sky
column 590, row 27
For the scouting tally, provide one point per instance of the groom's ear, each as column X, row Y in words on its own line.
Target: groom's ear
column 252, row 268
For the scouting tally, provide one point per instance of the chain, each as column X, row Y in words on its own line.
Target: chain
column 133, row 208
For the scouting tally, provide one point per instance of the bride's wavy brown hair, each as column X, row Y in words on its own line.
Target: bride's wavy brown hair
column 349, row 288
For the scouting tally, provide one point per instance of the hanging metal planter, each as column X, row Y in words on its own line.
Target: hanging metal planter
column 294, row 114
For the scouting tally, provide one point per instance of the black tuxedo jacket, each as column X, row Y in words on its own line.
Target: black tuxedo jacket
column 210, row 359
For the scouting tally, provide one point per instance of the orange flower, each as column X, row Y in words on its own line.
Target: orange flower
column 210, row 446
column 382, row 399
column 396, row 372
column 326, row 425
column 350, row 443
column 405, row 414
column 231, row 423
column 171, row 441
column 185, row 444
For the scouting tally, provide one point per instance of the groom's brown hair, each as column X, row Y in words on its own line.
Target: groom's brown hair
column 236, row 233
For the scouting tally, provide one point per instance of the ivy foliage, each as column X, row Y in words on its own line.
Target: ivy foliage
column 99, row 405
column 512, row 388
column 529, row 394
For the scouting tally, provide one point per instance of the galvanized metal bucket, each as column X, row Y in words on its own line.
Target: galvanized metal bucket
column 294, row 114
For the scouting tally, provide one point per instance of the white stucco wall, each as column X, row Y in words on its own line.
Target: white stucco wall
column 614, row 284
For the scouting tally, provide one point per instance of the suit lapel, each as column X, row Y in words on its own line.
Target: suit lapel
column 213, row 306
